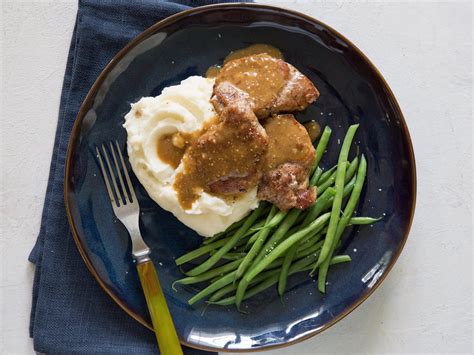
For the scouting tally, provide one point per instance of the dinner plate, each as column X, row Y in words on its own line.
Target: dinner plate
column 352, row 90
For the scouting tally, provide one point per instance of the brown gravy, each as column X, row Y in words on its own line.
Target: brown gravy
column 171, row 147
column 288, row 141
column 259, row 48
column 168, row 151
column 260, row 76
column 210, row 159
column 314, row 129
column 213, row 71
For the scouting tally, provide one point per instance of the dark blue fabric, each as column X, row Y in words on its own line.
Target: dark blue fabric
column 70, row 312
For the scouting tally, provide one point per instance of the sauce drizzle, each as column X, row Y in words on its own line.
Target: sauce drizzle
column 172, row 147
column 258, row 48
column 225, row 151
column 288, row 142
column 314, row 129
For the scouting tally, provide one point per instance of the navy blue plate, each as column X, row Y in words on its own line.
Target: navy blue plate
column 352, row 90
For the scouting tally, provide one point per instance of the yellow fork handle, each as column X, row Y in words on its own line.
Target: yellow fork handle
column 165, row 332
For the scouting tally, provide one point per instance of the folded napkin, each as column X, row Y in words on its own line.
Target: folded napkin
column 70, row 312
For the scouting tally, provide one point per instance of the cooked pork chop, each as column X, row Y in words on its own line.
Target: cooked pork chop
column 297, row 93
column 286, row 187
column 273, row 85
column 249, row 143
column 228, row 158
column 289, row 158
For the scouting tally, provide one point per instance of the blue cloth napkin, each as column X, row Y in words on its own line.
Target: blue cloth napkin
column 70, row 312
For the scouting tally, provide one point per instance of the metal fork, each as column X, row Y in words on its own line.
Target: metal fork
column 126, row 208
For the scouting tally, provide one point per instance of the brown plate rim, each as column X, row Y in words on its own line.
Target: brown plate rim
column 87, row 103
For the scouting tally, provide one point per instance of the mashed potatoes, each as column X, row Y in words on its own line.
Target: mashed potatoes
column 181, row 108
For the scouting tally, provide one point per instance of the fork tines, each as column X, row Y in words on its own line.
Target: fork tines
column 120, row 194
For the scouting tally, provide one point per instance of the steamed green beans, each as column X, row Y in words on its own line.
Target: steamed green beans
column 339, row 187
column 273, row 278
column 321, row 147
column 257, row 245
column 342, row 223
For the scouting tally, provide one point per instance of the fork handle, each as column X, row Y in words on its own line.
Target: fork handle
column 165, row 331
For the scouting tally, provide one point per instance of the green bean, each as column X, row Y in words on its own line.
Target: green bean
column 253, row 238
column 312, row 248
column 263, row 234
column 209, row 274
column 363, row 220
column 276, row 264
column 214, row 238
column 240, row 247
column 278, row 234
column 263, row 260
column 196, row 253
column 209, row 248
column 321, row 147
column 347, row 190
column 222, row 292
column 259, row 223
column 256, row 227
column 327, row 174
column 232, row 255
column 315, row 177
column 342, row 223
column 270, row 280
column 229, row 229
column 301, row 216
column 293, row 230
column 275, row 221
column 232, row 287
column 328, row 202
column 339, row 187
column 214, row 279
column 348, row 187
column 233, row 227
column 318, row 207
column 269, row 250
column 285, row 245
column 336, row 260
column 351, row 170
column 329, row 182
column 340, row 259
column 285, row 269
column 310, row 239
column 229, row 245
column 323, row 185
column 218, row 284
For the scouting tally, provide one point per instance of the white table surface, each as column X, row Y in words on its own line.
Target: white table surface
column 424, row 50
